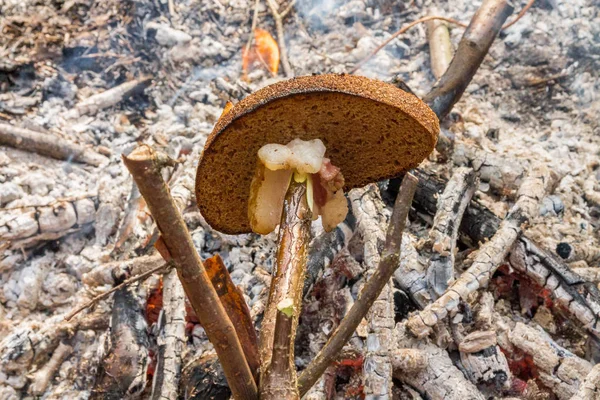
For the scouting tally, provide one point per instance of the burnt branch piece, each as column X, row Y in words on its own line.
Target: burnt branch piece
column 278, row 332
column 443, row 234
column 438, row 378
column 589, row 389
column 558, row 368
column 406, row 361
column 479, row 224
column 390, row 260
column 489, row 256
column 125, row 352
column 171, row 339
column 411, row 275
column 48, row 145
column 28, row 226
column 108, row 98
column 472, row 49
column 371, row 219
column 568, row 289
column 503, row 177
column 145, row 165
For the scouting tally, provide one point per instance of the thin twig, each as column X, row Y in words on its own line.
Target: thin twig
column 520, row 15
column 145, row 165
column 104, row 295
column 429, row 18
column 254, row 22
column 390, row 259
column 400, row 32
column 107, row 274
column 278, row 17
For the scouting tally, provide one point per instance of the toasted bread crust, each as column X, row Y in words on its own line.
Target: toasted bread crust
column 372, row 131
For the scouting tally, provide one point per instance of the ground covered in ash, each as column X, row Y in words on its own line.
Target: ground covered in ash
column 535, row 99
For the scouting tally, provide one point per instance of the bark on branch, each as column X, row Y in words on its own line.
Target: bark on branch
column 145, row 165
column 278, row 332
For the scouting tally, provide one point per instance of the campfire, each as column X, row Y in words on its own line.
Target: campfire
column 284, row 200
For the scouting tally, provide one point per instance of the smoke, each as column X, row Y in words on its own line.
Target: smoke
column 317, row 13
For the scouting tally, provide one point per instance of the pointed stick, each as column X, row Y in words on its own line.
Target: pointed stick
column 145, row 164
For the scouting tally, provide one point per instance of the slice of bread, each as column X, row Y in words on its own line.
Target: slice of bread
column 372, row 131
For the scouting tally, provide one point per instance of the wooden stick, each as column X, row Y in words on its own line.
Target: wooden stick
column 253, row 27
column 145, row 166
column 171, row 340
column 440, row 48
column 278, row 376
column 281, row 376
column 48, row 145
column 278, row 17
column 472, row 49
column 389, row 262
column 108, row 98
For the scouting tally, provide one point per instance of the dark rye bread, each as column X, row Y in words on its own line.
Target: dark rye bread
column 372, row 131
